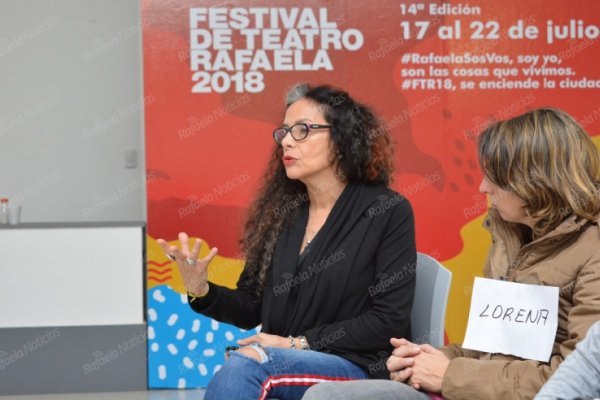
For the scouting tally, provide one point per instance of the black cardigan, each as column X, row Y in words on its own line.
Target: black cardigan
column 350, row 290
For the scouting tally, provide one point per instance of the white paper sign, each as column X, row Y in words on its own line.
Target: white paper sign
column 512, row 318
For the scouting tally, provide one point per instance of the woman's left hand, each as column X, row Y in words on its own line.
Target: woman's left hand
column 429, row 369
column 265, row 340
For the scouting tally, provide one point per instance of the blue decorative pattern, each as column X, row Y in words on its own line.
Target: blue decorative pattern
column 185, row 348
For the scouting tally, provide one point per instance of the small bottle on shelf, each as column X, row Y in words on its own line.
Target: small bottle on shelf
column 3, row 211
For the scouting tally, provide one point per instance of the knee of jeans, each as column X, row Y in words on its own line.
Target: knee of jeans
column 240, row 364
column 238, row 367
column 238, row 374
column 259, row 350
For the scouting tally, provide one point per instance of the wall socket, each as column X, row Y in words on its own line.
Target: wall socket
column 131, row 159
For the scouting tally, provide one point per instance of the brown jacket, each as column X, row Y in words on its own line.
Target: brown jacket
column 569, row 258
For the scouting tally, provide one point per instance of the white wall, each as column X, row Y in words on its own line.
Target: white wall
column 70, row 107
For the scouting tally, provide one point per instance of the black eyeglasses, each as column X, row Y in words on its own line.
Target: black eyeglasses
column 298, row 131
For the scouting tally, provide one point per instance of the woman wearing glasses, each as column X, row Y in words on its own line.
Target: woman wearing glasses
column 330, row 256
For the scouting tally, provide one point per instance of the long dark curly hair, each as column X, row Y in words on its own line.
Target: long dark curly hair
column 364, row 154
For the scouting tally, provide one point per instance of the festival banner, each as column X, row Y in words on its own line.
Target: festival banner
column 436, row 72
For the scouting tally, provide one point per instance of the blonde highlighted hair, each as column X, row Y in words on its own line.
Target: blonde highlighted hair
column 545, row 158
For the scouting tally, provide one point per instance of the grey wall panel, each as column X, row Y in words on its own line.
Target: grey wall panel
column 71, row 109
column 73, row 359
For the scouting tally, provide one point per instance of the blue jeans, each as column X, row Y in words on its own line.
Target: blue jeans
column 283, row 373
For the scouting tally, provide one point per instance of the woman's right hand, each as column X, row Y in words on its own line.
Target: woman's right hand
column 401, row 361
column 193, row 271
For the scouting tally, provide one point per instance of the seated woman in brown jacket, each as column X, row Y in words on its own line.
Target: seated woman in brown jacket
column 541, row 173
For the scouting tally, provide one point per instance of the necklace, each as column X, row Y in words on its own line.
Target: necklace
column 306, row 235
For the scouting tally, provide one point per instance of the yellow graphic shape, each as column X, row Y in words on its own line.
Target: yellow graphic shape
column 465, row 267
column 222, row 271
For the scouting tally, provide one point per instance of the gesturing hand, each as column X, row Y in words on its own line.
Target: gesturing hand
column 193, row 271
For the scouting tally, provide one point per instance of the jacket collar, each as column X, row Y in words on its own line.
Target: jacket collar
column 508, row 250
column 499, row 227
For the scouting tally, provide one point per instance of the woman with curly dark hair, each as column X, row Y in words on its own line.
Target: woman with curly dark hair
column 330, row 256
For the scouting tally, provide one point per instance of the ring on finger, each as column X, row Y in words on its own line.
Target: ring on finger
column 171, row 257
column 190, row 261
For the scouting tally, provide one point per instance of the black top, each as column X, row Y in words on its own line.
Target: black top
column 350, row 290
